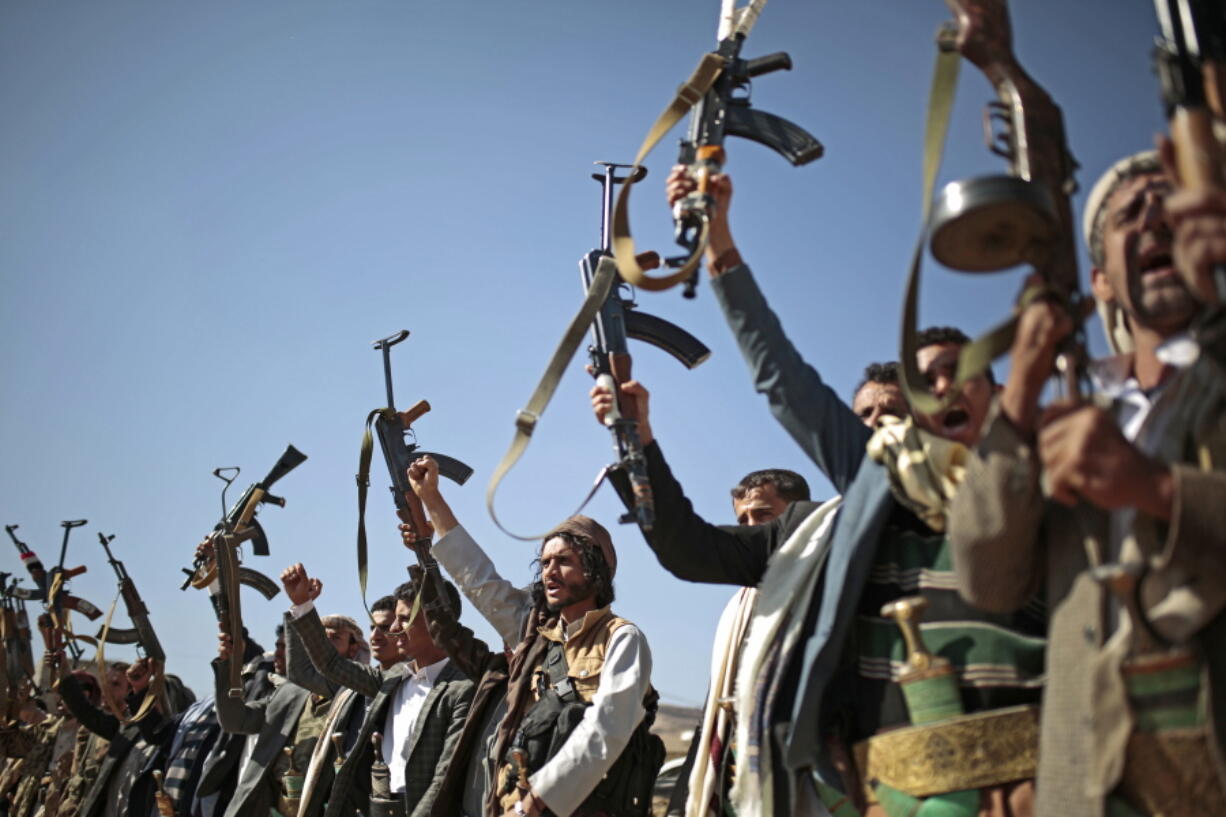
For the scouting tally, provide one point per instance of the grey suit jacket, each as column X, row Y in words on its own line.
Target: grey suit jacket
column 434, row 736
column 218, row 775
column 274, row 719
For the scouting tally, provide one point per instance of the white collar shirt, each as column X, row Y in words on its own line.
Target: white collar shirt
column 402, row 714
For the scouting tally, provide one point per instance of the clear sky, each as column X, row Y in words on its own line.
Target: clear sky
column 208, row 211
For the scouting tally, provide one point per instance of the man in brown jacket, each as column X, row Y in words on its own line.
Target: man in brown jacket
column 1085, row 501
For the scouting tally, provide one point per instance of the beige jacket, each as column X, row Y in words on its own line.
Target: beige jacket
column 1009, row 542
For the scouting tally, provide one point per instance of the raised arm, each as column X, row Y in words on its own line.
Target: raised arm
column 362, row 679
column 102, row 724
column 299, row 668
column 819, row 421
column 235, row 715
column 504, row 606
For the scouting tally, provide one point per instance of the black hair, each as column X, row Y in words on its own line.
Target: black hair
column 884, row 373
column 789, row 485
column 280, row 631
column 595, row 569
column 408, row 591
column 383, row 603
column 934, row 335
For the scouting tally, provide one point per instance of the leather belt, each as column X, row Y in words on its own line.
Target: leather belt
column 965, row 752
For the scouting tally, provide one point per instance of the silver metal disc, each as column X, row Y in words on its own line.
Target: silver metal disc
column 991, row 223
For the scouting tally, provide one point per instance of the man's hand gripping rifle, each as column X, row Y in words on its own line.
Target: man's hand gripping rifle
column 141, row 633
column 615, row 323
column 1190, row 59
column 993, row 223
column 392, row 427
column 217, row 565
column 718, row 94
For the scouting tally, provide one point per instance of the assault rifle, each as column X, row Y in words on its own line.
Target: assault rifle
column 141, row 633
column 392, row 427
column 18, row 663
column 719, row 93
column 34, row 565
column 615, row 323
column 992, row 223
column 1190, row 59
column 221, row 565
column 54, row 621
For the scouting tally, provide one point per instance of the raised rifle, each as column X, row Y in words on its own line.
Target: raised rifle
column 221, row 572
column 58, row 600
column 992, row 223
column 18, row 663
column 1190, row 59
column 718, row 93
column 34, row 565
column 141, row 633
column 617, row 321
column 398, row 442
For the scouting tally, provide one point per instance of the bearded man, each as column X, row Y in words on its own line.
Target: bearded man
column 574, row 739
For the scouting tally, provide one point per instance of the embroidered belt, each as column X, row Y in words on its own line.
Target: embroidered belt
column 383, row 807
column 964, row 752
column 288, row 806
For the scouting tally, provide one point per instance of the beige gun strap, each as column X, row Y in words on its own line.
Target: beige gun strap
column 688, row 95
column 226, row 556
column 363, row 478
column 157, row 677
column 976, row 356
column 527, row 417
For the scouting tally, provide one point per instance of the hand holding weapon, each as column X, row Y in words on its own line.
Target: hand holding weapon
column 615, row 323
column 1190, row 59
column 392, row 427
column 718, row 94
column 237, row 526
column 992, row 223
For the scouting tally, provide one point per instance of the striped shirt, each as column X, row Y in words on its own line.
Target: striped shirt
column 998, row 657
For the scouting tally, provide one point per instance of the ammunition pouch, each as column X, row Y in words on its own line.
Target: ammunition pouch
column 953, row 755
column 625, row 791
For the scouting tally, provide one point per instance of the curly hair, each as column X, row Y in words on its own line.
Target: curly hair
column 595, row 570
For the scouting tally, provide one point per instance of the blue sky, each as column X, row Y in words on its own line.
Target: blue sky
column 208, row 211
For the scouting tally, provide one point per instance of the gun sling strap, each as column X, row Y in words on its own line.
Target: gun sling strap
column 527, row 417
column 976, row 356
column 689, row 94
column 157, row 678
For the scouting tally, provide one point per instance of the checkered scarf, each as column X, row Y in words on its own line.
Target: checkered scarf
column 196, row 725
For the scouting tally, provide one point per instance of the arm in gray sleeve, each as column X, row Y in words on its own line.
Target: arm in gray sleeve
column 362, row 679
column 819, row 421
column 298, row 666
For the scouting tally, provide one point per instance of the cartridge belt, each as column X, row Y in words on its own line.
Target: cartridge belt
column 964, row 752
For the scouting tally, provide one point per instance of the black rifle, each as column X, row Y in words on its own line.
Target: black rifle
column 141, row 633
column 399, row 443
column 615, row 323
column 33, row 565
column 237, row 526
column 1190, row 51
column 18, row 653
column 724, row 111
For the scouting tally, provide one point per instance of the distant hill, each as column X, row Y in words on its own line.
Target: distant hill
column 675, row 725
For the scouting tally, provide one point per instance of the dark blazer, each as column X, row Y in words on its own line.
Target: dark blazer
column 832, row 436
column 219, row 772
column 274, row 719
column 430, row 746
column 123, row 741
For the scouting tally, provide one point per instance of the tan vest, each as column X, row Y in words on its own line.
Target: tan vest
column 585, row 655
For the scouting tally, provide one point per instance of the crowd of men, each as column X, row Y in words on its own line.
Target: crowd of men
column 1008, row 609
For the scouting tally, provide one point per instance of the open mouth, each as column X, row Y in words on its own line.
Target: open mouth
column 1156, row 261
column 956, row 420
